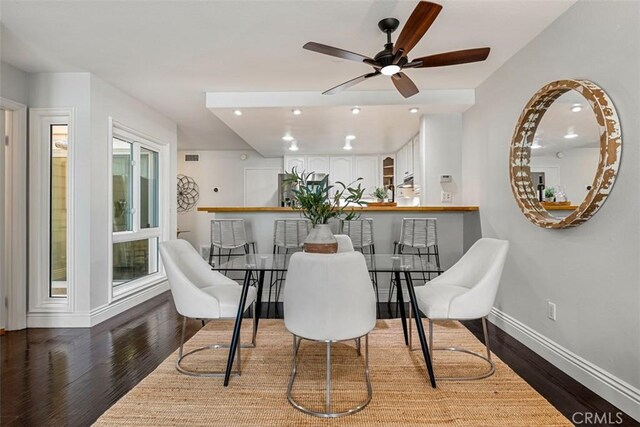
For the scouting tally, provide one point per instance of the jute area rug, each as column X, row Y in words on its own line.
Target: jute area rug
column 401, row 394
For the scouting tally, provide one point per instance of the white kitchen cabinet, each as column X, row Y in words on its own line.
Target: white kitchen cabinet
column 417, row 165
column 366, row 167
column 340, row 169
column 405, row 160
column 291, row 162
column 400, row 165
column 318, row 164
column 409, row 165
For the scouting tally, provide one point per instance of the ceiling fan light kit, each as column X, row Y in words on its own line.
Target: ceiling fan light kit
column 392, row 60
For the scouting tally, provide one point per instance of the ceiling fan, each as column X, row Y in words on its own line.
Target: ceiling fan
column 393, row 58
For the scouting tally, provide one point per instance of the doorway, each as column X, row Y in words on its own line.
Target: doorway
column 13, row 216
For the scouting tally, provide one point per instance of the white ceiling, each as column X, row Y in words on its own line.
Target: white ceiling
column 169, row 54
column 322, row 130
column 559, row 120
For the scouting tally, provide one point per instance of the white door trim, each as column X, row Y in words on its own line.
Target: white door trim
column 16, row 291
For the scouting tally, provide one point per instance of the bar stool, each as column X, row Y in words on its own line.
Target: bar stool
column 229, row 235
column 421, row 235
column 288, row 236
column 361, row 233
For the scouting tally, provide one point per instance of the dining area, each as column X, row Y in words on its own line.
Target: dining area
column 322, row 279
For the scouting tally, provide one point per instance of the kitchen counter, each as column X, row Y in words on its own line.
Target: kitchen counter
column 367, row 209
column 458, row 228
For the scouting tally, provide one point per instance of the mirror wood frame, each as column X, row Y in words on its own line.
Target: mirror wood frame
column 608, row 163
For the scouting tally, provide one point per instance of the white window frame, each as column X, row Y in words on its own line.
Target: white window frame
column 138, row 139
column 41, row 120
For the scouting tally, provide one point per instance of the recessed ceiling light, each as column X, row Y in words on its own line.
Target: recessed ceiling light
column 237, row 112
column 576, row 108
column 414, row 110
column 350, row 137
column 293, row 146
column 355, row 110
column 296, row 111
column 571, row 135
column 287, row 138
column 347, row 145
column 390, row 70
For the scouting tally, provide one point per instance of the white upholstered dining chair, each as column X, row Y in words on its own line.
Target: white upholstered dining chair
column 466, row 291
column 200, row 293
column 329, row 298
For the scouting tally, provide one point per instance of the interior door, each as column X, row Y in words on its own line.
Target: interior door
column 261, row 186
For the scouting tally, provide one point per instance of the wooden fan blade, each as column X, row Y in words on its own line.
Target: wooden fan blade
column 334, row 51
column 404, row 84
column 453, row 58
column 350, row 83
column 416, row 26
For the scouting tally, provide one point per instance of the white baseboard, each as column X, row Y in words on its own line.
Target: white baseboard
column 58, row 320
column 608, row 386
column 97, row 315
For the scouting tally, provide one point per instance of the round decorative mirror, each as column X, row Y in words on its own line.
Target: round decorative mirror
column 565, row 153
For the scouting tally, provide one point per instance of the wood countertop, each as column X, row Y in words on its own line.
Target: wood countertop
column 561, row 208
column 368, row 209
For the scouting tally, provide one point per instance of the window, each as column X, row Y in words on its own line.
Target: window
column 58, row 205
column 136, row 210
column 52, row 200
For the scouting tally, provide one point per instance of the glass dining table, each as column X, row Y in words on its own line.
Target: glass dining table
column 400, row 267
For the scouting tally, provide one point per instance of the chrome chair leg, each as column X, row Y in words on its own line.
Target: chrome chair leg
column 328, row 375
column 486, row 374
column 411, row 328
column 327, row 413
column 210, row 374
column 431, row 339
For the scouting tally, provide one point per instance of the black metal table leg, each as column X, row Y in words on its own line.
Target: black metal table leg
column 236, row 329
column 402, row 313
column 259, row 300
column 419, row 327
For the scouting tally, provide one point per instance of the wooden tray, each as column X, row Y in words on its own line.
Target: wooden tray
column 555, row 204
column 390, row 204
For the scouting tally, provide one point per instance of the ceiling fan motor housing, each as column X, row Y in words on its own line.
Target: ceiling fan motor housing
column 388, row 25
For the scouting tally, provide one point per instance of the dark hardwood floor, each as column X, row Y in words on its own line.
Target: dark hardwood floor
column 52, row 377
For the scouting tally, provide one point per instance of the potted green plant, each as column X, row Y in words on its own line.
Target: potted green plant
column 380, row 194
column 315, row 204
column 549, row 194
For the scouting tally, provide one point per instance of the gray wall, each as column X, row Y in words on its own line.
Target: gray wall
column 14, row 84
column 590, row 272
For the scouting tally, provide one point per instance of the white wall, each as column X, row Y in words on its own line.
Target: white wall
column 95, row 101
column 441, row 152
column 217, row 169
column 73, row 90
column 591, row 272
column 108, row 101
column 14, row 84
